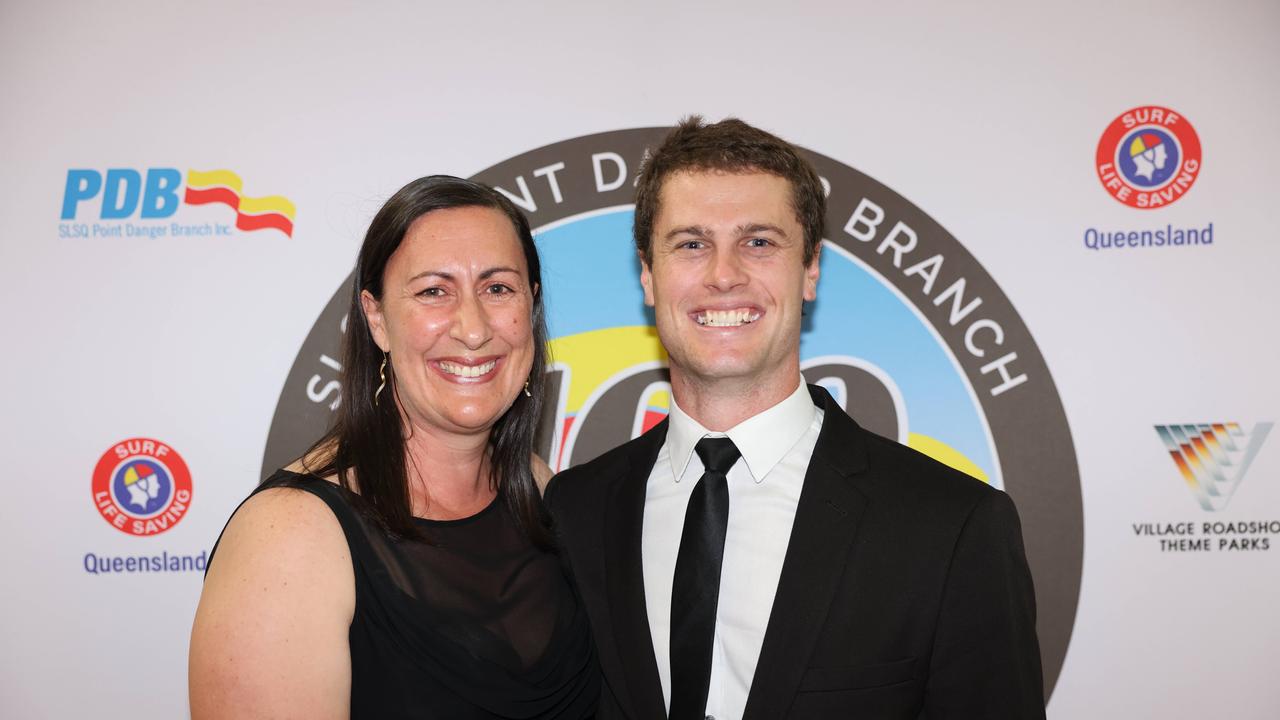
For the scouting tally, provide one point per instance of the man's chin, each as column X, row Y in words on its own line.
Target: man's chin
column 720, row 369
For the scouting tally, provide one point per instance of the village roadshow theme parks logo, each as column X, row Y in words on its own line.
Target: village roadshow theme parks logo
column 1212, row 460
column 1213, row 457
column 909, row 333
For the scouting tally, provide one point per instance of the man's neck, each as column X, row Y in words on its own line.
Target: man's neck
column 721, row 403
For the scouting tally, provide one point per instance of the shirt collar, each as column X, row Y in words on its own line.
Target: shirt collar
column 763, row 439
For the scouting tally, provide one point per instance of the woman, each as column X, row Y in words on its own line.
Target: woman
column 403, row 567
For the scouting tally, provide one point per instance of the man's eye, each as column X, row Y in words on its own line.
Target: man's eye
column 759, row 242
column 692, row 244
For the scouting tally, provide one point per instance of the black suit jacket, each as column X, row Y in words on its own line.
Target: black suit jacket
column 904, row 593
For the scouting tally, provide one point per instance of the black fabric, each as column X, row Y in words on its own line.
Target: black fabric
column 695, row 587
column 476, row 623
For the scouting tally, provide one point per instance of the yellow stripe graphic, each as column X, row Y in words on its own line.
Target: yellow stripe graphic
column 203, row 180
column 269, row 203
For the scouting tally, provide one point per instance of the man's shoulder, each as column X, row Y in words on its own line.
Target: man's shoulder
column 608, row 464
column 886, row 469
column 912, row 495
column 594, row 478
column 895, row 469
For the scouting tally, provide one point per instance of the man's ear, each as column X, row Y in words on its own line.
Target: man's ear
column 373, row 316
column 646, row 281
column 811, row 275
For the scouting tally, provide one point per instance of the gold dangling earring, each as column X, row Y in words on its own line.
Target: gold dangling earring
column 382, row 376
column 526, row 389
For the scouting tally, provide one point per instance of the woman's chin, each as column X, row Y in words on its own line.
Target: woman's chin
column 468, row 418
column 459, row 407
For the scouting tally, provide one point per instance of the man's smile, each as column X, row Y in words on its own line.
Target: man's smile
column 732, row 317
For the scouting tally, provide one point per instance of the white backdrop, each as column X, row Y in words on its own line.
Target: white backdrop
column 985, row 116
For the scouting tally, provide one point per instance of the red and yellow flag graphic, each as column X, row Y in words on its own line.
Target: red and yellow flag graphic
column 252, row 213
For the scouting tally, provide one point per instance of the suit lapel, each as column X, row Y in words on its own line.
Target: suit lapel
column 624, row 578
column 821, row 536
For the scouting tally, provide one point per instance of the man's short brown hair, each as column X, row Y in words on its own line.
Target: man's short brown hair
column 728, row 146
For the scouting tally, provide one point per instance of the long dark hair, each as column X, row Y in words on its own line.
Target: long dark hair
column 367, row 439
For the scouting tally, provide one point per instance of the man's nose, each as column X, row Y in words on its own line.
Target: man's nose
column 726, row 271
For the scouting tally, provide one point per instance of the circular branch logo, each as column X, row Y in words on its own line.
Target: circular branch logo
column 1148, row 157
column 141, row 487
column 909, row 333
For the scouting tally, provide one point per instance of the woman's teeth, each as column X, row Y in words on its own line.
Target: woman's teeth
column 466, row 371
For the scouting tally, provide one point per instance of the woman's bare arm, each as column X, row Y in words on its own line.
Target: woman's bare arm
column 270, row 633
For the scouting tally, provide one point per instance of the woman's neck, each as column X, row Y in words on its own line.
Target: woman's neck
column 448, row 474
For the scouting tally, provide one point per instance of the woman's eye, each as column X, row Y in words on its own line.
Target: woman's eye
column 431, row 292
column 498, row 289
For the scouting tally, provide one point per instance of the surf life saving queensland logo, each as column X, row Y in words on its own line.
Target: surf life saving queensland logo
column 909, row 332
column 1148, row 158
column 142, row 487
column 127, row 202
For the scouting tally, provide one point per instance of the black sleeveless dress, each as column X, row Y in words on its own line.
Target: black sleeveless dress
column 477, row 624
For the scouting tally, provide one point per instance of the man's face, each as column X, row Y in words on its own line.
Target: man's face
column 728, row 279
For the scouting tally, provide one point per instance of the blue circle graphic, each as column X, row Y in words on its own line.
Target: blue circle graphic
column 149, row 494
column 1148, row 157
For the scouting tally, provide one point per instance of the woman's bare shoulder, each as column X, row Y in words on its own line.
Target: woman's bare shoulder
column 281, row 531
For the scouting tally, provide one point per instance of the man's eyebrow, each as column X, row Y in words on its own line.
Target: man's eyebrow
column 694, row 230
column 704, row 232
column 752, row 228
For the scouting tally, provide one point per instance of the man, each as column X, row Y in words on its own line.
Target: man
column 758, row 555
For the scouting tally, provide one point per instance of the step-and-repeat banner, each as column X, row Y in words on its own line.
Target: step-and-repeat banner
column 1049, row 261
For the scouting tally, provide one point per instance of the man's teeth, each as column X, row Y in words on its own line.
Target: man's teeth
column 467, row 371
column 727, row 318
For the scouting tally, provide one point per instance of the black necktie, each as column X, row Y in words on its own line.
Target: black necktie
column 695, row 588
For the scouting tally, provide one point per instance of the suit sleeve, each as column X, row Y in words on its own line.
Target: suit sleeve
column 986, row 658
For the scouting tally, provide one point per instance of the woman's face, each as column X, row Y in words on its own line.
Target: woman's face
column 455, row 318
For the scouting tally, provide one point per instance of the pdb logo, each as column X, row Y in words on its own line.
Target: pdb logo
column 121, row 194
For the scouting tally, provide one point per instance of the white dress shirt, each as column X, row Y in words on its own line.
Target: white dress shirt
column 764, row 488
